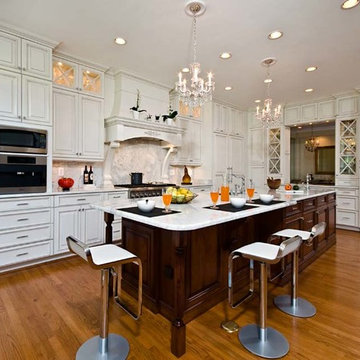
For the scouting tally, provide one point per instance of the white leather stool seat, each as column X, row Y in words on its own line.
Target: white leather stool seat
column 288, row 233
column 260, row 250
column 108, row 253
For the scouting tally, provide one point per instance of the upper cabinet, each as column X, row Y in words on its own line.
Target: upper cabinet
column 347, row 106
column 25, row 80
column 77, row 77
column 314, row 112
column 228, row 120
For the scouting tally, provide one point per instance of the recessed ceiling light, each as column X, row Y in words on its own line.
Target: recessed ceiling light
column 228, row 88
column 120, row 41
column 185, row 70
column 267, row 81
column 311, row 68
column 275, row 35
column 257, row 101
column 225, row 55
column 309, row 90
column 349, row 4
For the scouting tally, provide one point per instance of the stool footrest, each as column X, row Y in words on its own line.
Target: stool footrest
column 299, row 308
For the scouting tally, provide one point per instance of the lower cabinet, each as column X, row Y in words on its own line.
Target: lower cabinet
column 81, row 221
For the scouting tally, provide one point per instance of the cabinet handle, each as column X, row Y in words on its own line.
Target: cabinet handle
column 23, row 219
column 23, row 254
column 346, row 203
column 22, row 236
column 24, row 117
column 81, row 199
column 80, row 153
column 24, row 69
column 19, row 116
column 22, row 204
column 19, row 67
column 117, row 197
column 345, row 218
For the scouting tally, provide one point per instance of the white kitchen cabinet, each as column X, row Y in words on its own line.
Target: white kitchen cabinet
column 347, row 106
column 190, row 151
column 77, row 77
column 10, row 96
column 36, row 60
column 236, row 123
column 292, row 115
column 309, row 112
column 10, row 50
column 220, row 154
column 78, row 126
column 80, row 221
column 236, row 154
column 219, row 118
column 36, row 100
column 326, row 110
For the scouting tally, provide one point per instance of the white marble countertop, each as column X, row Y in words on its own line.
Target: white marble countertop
column 193, row 215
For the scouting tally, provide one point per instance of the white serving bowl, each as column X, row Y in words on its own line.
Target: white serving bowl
column 237, row 202
column 146, row 205
column 266, row 198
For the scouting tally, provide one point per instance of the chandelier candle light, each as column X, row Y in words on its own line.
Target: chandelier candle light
column 199, row 91
column 268, row 116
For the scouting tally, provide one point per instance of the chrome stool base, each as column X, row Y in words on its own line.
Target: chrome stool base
column 301, row 308
column 274, row 346
column 118, row 349
column 230, row 326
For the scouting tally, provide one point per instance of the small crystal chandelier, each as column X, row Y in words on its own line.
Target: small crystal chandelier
column 199, row 91
column 312, row 143
column 268, row 116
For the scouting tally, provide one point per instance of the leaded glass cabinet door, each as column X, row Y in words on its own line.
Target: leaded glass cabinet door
column 274, row 151
column 91, row 81
column 347, row 148
column 65, row 74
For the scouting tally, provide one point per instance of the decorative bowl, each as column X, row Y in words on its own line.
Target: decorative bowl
column 273, row 183
column 65, row 183
column 237, row 202
column 183, row 199
column 146, row 205
column 266, row 198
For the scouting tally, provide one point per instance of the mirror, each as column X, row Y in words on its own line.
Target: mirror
column 325, row 160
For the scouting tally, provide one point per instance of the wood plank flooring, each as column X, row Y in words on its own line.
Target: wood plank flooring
column 48, row 311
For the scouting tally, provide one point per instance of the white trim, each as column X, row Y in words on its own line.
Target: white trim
column 80, row 61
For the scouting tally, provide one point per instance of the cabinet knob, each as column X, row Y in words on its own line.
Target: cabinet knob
column 19, row 117
column 24, row 69
column 19, row 67
column 24, row 117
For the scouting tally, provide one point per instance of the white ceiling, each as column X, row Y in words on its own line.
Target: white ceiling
column 316, row 32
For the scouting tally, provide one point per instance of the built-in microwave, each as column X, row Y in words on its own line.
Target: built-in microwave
column 22, row 140
column 22, row 173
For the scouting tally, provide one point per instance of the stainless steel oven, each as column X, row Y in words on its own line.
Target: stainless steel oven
column 22, row 140
column 22, row 173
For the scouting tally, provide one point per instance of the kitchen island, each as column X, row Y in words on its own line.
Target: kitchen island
column 185, row 254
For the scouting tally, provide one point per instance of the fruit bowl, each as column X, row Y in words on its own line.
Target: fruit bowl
column 180, row 195
column 182, row 199
column 66, row 183
column 273, row 183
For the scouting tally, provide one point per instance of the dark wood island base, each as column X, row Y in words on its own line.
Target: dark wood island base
column 185, row 272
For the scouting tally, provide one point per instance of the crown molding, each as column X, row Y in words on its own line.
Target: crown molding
column 14, row 30
column 66, row 56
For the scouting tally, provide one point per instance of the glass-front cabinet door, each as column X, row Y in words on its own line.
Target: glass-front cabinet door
column 274, row 151
column 91, row 81
column 65, row 74
column 347, row 148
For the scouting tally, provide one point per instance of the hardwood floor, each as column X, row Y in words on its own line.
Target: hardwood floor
column 48, row 311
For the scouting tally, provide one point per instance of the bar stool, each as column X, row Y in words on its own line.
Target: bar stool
column 105, row 257
column 295, row 305
column 260, row 339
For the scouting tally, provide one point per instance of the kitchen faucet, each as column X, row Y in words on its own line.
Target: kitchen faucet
column 240, row 188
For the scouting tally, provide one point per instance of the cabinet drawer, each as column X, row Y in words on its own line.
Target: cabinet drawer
column 347, row 203
column 309, row 221
column 348, row 218
column 25, row 203
column 293, row 209
column 309, row 204
column 321, row 201
column 25, row 219
column 25, row 253
column 25, row 236
column 65, row 200
column 118, row 195
column 331, row 198
column 347, row 182
column 347, row 192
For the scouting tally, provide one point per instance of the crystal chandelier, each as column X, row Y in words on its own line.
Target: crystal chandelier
column 268, row 116
column 312, row 143
column 199, row 91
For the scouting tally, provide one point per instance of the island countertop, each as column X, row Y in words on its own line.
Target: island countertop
column 194, row 215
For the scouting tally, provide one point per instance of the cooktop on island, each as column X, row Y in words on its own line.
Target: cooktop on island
column 144, row 190
column 146, row 185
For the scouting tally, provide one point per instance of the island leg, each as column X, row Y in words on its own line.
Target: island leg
column 109, row 218
column 178, row 337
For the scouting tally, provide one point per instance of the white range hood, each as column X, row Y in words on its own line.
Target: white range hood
column 118, row 129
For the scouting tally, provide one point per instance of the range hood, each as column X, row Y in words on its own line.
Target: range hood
column 118, row 129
